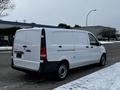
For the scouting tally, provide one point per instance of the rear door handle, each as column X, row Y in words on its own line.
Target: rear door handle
column 91, row 46
column 60, row 46
column 24, row 46
column 28, row 50
column 87, row 46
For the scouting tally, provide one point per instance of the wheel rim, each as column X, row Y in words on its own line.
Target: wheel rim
column 62, row 72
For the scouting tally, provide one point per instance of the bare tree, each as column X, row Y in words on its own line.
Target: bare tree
column 62, row 25
column 5, row 5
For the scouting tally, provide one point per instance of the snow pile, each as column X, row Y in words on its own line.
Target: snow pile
column 5, row 48
column 108, row 42
column 105, row 79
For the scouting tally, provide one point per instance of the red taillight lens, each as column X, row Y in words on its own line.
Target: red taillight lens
column 43, row 54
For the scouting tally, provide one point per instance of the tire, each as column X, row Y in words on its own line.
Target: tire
column 102, row 60
column 62, row 72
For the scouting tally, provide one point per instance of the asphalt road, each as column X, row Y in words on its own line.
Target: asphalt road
column 15, row 80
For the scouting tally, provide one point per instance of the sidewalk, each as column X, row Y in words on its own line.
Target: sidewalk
column 105, row 79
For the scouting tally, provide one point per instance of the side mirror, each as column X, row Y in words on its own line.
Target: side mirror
column 99, row 44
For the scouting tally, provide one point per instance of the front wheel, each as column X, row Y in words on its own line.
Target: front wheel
column 62, row 71
column 102, row 61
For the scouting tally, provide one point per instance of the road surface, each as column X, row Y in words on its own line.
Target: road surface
column 15, row 80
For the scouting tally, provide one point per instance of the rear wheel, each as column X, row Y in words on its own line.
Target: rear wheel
column 102, row 60
column 62, row 71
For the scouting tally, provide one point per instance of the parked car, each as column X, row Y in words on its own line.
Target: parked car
column 55, row 50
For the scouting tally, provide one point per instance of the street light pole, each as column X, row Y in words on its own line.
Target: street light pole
column 88, row 15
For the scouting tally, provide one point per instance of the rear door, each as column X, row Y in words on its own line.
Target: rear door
column 27, row 49
column 62, row 46
column 32, row 46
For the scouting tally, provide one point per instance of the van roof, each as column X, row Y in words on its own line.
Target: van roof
column 54, row 29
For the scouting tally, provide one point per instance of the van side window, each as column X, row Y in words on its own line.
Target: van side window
column 92, row 39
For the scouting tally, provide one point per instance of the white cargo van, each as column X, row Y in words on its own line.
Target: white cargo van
column 55, row 50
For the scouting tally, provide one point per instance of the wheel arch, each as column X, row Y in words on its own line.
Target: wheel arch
column 65, row 61
column 104, row 54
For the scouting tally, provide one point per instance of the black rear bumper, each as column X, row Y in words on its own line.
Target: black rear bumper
column 47, row 67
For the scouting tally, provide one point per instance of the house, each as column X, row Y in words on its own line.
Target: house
column 8, row 29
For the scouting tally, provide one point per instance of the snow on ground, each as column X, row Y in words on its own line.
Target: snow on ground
column 105, row 79
column 108, row 42
column 5, row 48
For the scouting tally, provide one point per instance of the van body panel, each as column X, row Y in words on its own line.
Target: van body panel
column 61, row 46
column 26, row 51
column 73, row 46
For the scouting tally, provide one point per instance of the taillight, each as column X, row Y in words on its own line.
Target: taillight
column 43, row 54
column 43, row 51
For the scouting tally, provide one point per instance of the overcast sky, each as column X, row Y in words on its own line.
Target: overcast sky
column 53, row 12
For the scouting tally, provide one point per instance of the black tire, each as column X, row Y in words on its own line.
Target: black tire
column 102, row 60
column 62, row 71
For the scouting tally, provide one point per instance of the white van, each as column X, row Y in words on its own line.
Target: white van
column 55, row 50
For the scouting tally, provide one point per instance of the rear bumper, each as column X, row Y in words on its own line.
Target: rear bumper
column 21, row 68
column 47, row 67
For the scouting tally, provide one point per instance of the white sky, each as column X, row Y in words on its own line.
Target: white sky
column 53, row 12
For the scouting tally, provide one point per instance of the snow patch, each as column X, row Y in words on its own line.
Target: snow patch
column 5, row 48
column 108, row 42
column 105, row 79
